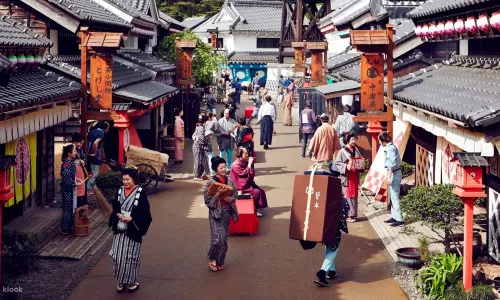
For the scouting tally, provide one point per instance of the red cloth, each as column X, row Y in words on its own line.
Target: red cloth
column 352, row 184
column 248, row 223
column 249, row 111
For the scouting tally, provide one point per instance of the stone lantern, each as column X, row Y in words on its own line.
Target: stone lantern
column 469, row 187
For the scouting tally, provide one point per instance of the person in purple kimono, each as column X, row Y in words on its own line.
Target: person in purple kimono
column 307, row 123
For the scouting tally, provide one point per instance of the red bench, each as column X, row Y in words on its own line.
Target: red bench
column 249, row 111
column 248, row 222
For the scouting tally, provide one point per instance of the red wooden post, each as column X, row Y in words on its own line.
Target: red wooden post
column 468, row 242
column 374, row 128
column 121, row 124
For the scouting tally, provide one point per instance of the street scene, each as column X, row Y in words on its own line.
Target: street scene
column 268, row 149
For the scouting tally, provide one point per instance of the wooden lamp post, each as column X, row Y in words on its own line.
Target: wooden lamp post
column 6, row 162
column 469, row 187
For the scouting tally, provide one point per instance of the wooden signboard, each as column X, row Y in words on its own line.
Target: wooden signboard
column 101, row 82
column 213, row 40
column 317, row 66
column 372, row 82
column 186, row 65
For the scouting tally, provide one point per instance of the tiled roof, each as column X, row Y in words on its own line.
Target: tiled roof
column 338, row 87
column 263, row 16
column 437, row 6
column 137, row 8
column 146, row 60
column 345, row 11
column 170, row 20
column 123, row 75
column 34, row 88
column 466, row 90
column 404, row 31
column 341, row 59
column 90, row 11
column 14, row 34
column 254, row 57
column 5, row 63
column 193, row 22
column 145, row 92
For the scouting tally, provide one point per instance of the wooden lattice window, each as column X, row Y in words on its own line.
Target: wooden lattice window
column 494, row 224
column 424, row 167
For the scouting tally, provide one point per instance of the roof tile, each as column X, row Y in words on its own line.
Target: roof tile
column 14, row 34
column 259, row 15
column 146, row 60
column 437, row 6
column 254, row 57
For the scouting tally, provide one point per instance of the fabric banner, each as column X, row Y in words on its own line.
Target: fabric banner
column 23, row 175
column 445, row 168
column 377, row 173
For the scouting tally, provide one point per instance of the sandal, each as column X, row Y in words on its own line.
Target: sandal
column 133, row 287
column 120, row 287
column 213, row 265
column 220, row 268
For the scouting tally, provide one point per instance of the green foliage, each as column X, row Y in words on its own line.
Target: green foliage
column 444, row 271
column 189, row 8
column 407, row 169
column 205, row 61
column 481, row 202
column 436, row 206
column 19, row 250
column 109, row 183
column 478, row 292
column 423, row 245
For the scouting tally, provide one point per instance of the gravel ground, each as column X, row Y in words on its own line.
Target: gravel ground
column 405, row 277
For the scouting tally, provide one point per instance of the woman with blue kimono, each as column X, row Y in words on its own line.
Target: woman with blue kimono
column 68, row 188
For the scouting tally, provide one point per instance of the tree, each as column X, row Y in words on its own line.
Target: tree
column 205, row 61
column 189, row 8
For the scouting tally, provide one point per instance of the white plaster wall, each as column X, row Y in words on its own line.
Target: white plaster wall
column 228, row 40
column 336, row 44
column 248, row 43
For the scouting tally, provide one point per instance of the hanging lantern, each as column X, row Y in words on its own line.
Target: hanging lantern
column 433, row 30
column 425, row 31
column 495, row 20
column 418, row 31
column 448, row 28
column 30, row 60
column 21, row 60
column 37, row 60
column 460, row 26
column 482, row 23
column 13, row 60
column 440, row 29
column 470, row 25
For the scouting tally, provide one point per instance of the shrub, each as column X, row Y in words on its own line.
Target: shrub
column 436, row 206
column 407, row 169
column 444, row 271
column 478, row 292
column 109, row 183
column 19, row 251
column 481, row 202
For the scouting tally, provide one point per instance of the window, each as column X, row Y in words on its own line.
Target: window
column 220, row 42
column 268, row 42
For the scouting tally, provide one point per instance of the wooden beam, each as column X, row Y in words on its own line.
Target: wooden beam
column 300, row 20
column 53, row 13
column 390, row 79
column 371, row 117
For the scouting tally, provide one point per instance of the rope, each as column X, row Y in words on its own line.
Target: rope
column 310, row 192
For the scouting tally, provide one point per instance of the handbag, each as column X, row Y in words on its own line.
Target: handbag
column 122, row 226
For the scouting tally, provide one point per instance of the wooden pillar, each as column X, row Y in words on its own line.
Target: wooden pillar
column 390, row 80
column 300, row 19
column 84, row 84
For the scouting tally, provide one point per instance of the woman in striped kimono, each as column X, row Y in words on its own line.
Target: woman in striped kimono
column 68, row 185
column 200, row 148
column 130, row 221
column 219, row 212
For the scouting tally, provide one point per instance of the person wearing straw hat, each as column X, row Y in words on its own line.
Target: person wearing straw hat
column 130, row 220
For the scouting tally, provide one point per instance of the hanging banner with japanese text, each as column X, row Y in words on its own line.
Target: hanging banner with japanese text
column 372, row 82
column 101, row 82
column 186, row 65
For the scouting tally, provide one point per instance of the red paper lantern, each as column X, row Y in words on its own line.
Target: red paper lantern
column 449, row 28
column 425, row 31
column 460, row 26
column 418, row 31
column 433, row 30
column 482, row 23
column 440, row 29
column 495, row 20
column 470, row 25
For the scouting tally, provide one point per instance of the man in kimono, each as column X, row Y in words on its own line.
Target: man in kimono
column 307, row 124
column 225, row 138
column 325, row 143
column 345, row 123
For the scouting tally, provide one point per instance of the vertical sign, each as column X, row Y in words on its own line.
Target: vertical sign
column 299, row 58
column 372, row 82
column 186, row 65
column 101, row 82
column 316, row 66
column 213, row 40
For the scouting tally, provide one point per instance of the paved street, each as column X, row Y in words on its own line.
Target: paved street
column 267, row 266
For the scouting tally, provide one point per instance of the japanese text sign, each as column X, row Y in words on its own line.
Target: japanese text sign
column 101, row 82
column 299, row 58
column 316, row 66
column 213, row 40
column 186, row 65
column 372, row 82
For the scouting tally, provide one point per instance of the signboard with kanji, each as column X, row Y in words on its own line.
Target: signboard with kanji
column 317, row 66
column 372, row 82
column 186, row 65
column 213, row 40
column 101, row 82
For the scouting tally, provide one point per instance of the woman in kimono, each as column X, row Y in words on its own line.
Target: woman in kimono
column 200, row 148
column 244, row 136
column 291, row 89
column 81, row 172
column 68, row 185
column 179, row 137
column 220, row 91
column 130, row 220
column 327, row 270
column 348, row 175
column 242, row 175
column 219, row 211
column 287, row 108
